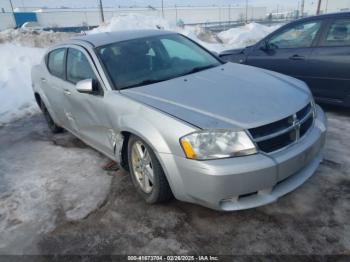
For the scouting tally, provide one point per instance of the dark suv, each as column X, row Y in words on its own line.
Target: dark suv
column 314, row 49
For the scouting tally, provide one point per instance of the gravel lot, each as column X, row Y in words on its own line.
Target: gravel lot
column 314, row 219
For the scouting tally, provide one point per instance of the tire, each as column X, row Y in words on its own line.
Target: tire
column 160, row 191
column 52, row 125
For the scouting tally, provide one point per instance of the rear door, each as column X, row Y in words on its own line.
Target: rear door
column 329, row 68
column 86, row 111
column 288, row 50
column 53, row 84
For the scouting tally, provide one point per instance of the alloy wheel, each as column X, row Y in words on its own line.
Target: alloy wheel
column 142, row 166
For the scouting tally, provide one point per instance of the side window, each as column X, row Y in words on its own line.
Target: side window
column 78, row 67
column 299, row 36
column 55, row 62
column 175, row 49
column 338, row 34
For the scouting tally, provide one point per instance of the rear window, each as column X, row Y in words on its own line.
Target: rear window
column 338, row 34
column 55, row 62
column 301, row 35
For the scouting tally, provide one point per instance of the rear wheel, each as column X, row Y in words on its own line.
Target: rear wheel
column 146, row 172
column 53, row 127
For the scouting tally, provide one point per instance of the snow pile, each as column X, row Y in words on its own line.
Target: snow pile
column 245, row 35
column 232, row 38
column 203, row 37
column 33, row 38
column 19, row 52
column 132, row 22
column 137, row 21
column 16, row 95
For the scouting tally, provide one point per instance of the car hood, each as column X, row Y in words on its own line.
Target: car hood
column 228, row 96
column 232, row 52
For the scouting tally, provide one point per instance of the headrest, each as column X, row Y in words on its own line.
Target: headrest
column 107, row 54
column 81, row 69
column 134, row 48
column 340, row 32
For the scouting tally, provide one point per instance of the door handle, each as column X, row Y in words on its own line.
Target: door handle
column 67, row 92
column 297, row 57
column 43, row 79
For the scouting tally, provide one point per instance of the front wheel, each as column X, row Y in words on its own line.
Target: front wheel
column 146, row 172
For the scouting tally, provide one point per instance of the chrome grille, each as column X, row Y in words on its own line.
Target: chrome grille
column 279, row 134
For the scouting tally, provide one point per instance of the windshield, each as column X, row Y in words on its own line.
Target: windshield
column 149, row 60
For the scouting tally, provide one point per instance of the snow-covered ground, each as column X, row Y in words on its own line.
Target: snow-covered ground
column 45, row 180
column 19, row 51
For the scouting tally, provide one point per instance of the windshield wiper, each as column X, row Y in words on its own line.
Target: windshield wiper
column 144, row 82
column 152, row 81
column 200, row 68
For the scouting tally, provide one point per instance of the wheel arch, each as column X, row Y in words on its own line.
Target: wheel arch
column 155, row 138
column 37, row 99
column 153, row 141
column 41, row 98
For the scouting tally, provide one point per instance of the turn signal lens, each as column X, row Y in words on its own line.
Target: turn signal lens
column 188, row 149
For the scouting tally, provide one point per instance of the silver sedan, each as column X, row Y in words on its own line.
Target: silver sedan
column 184, row 123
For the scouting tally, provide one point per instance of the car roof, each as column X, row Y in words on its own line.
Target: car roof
column 100, row 39
column 325, row 16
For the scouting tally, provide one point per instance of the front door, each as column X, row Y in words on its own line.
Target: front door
column 330, row 63
column 53, row 85
column 287, row 51
column 86, row 111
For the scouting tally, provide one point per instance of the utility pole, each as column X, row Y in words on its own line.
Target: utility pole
column 246, row 11
column 176, row 13
column 101, row 12
column 302, row 8
column 297, row 11
column 318, row 7
column 13, row 13
column 162, row 8
column 229, row 14
column 11, row 6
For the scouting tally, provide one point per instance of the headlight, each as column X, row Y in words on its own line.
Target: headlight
column 214, row 144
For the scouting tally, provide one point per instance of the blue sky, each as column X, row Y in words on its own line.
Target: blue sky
column 271, row 4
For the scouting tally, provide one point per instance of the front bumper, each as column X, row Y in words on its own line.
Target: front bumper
column 249, row 181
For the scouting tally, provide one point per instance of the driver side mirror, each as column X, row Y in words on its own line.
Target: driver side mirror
column 87, row 86
column 266, row 47
column 216, row 54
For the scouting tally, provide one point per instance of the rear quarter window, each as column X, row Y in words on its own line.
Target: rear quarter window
column 55, row 62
